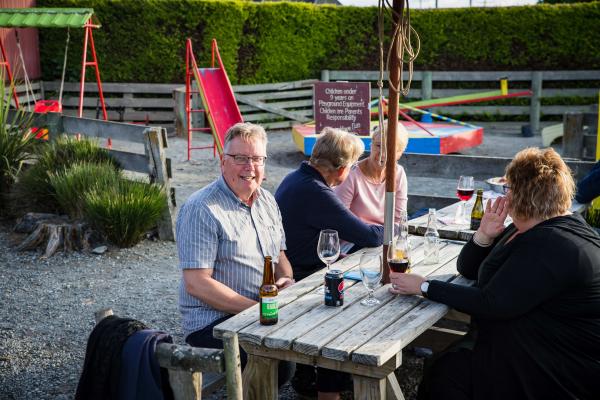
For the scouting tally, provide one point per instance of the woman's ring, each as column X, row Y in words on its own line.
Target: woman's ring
column 394, row 286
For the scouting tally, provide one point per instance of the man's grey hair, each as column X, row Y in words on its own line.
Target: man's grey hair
column 247, row 132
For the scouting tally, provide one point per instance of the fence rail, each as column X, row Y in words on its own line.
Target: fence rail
column 534, row 80
column 281, row 105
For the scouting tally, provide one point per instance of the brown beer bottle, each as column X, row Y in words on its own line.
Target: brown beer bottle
column 268, row 295
column 477, row 213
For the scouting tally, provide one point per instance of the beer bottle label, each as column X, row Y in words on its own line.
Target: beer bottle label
column 268, row 307
column 475, row 222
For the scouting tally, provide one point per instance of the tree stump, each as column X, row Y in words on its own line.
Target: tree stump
column 55, row 233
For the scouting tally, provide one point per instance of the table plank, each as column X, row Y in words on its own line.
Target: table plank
column 286, row 296
column 283, row 338
column 338, row 335
column 404, row 330
column 374, row 321
column 255, row 332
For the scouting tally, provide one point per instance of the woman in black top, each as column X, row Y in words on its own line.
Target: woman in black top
column 536, row 301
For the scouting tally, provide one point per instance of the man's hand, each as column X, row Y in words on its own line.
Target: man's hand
column 284, row 282
column 283, row 272
column 403, row 283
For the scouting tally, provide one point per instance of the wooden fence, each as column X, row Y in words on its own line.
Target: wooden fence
column 438, row 84
column 281, row 105
column 152, row 162
column 580, row 135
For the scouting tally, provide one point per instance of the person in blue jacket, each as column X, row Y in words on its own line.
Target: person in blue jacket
column 589, row 187
column 308, row 205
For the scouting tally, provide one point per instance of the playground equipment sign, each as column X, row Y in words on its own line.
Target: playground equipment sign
column 343, row 105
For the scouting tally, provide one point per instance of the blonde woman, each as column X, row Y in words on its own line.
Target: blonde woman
column 364, row 190
column 536, row 301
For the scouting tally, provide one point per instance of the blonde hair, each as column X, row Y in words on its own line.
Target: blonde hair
column 245, row 131
column 335, row 149
column 401, row 135
column 541, row 184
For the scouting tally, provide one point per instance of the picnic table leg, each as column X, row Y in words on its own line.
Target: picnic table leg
column 260, row 378
column 366, row 388
column 393, row 390
column 233, row 366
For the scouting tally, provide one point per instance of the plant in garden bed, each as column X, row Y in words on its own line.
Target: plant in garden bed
column 17, row 142
column 124, row 212
column 71, row 184
column 593, row 215
column 34, row 190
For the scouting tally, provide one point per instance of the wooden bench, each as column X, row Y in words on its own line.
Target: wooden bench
column 193, row 371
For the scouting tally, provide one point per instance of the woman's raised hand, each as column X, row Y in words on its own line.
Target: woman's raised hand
column 492, row 223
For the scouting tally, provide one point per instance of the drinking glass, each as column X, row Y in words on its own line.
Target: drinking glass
column 398, row 255
column 401, row 225
column 328, row 248
column 371, row 270
column 464, row 191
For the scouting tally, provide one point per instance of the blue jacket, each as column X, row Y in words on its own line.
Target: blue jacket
column 308, row 205
column 141, row 376
column 589, row 187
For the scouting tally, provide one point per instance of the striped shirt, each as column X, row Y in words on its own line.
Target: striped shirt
column 215, row 229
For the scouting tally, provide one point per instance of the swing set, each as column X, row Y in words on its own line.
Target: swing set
column 52, row 18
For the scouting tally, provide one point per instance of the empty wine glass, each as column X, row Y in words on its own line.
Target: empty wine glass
column 464, row 191
column 370, row 272
column 328, row 248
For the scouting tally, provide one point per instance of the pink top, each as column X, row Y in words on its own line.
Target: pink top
column 366, row 199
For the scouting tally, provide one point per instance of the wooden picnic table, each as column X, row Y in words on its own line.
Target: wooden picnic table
column 450, row 230
column 366, row 342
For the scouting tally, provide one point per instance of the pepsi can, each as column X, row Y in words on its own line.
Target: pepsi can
column 334, row 288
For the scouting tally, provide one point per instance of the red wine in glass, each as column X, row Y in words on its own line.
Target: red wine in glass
column 402, row 265
column 464, row 194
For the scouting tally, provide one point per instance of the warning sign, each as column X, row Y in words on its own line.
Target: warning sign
column 343, row 105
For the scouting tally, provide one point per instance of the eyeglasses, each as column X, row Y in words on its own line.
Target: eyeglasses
column 505, row 189
column 241, row 159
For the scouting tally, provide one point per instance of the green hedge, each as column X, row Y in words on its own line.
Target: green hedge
column 144, row 40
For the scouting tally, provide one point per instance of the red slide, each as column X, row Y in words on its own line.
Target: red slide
column 220, row 105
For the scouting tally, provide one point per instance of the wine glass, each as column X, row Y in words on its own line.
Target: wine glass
column 398, row 255
column 464, row 191
column 370, row 272
column 401, row 225
column 328, row 248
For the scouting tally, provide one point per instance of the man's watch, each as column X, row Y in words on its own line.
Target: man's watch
column 424, row 288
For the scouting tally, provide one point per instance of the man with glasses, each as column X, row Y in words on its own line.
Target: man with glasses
column 224, row 231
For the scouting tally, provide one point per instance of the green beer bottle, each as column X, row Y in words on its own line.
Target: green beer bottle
column 477, row 213
column 268, row 295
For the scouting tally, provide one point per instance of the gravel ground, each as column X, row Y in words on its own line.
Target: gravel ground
column 47, row 306
column 48, row 309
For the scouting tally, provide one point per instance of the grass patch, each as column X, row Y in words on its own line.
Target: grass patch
column 34, row 190
column 71, row 184
column 126, row 211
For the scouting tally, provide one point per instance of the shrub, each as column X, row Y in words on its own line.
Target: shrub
column 17, row 142
column 593, row 216
column 71, row 184
column 34, row 190
column 144, row 41
column 126, row 211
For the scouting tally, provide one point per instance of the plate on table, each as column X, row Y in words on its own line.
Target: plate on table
column 496, row 184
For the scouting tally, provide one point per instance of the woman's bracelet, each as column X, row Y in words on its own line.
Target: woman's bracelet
column 481, row 243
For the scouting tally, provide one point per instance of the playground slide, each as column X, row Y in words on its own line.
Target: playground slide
column 219, row 102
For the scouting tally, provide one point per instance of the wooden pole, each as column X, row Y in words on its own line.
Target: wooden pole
column 390, row 164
